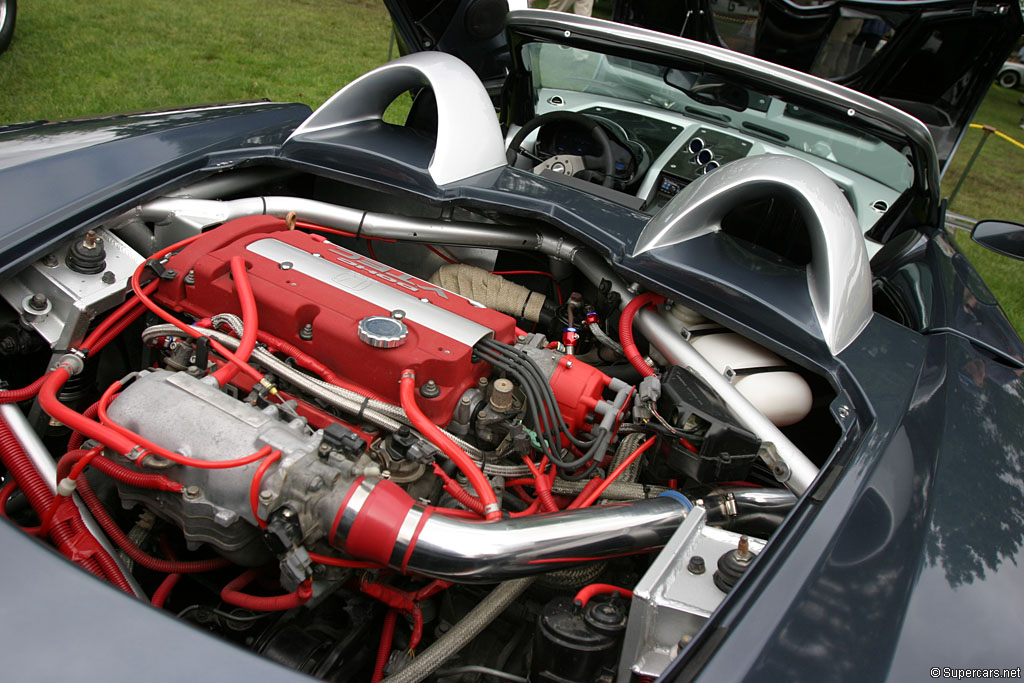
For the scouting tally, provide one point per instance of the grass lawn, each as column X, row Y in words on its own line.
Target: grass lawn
column 74, row 59
column 993, row 189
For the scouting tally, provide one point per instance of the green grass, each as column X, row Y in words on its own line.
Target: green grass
column 72, row 59
column 1001, row 274
column 76, row 59
column 993, row 187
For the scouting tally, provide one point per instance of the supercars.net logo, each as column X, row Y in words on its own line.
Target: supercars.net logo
column 960, row 674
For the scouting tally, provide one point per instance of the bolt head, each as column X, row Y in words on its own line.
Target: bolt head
column 37, row 302
column 696, row 565
column 430, row 389
column 266, row 495
column 193, row 491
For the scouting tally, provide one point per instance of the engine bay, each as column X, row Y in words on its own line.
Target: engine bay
column 370, row 445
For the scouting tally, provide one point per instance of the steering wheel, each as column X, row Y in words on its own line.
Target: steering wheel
column 567, row 164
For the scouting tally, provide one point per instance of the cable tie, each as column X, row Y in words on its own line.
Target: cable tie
column 362, row 408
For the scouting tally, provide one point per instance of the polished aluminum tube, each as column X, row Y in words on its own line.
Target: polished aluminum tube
column 203, row 213
column 790, row 466
column 756, row 511
column 427, row 542
column 31, row 443
column 457, row 549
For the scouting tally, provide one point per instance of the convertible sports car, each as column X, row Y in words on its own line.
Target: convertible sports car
column 628, row 356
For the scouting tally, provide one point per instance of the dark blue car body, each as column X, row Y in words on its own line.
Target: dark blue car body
column 905, row 555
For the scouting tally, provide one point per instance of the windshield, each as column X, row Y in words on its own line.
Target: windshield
column 766, row 124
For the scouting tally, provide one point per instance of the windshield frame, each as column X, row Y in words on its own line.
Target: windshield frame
column 879, row 119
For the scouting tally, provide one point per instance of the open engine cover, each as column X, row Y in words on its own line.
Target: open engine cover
column 302, row 280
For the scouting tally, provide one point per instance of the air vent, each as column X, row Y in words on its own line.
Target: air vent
column 880, row 206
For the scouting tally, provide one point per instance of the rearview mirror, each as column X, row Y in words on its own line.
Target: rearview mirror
column 1002, row 237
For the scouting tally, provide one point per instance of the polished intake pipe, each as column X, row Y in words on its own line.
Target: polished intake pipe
column 754, row 511
column 379, row 522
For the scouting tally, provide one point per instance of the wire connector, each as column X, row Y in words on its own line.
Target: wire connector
column 266, row 386
column 66, row 486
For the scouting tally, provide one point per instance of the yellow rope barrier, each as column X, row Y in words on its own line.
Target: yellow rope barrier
column 989, row 130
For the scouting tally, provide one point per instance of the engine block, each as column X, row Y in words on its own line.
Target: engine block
column 363, row 319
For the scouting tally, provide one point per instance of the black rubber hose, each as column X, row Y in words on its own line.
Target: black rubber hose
column 748, row 510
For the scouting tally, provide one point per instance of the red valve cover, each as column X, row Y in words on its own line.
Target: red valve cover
column 300, row 279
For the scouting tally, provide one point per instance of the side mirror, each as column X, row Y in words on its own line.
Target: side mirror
column 1002, row 237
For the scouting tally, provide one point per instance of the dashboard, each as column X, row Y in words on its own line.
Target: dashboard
column 567, row 138
column 657, row 152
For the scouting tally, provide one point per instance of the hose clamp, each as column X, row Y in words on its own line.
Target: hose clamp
column 136, row 454
column 729, row 505
column 73, row 361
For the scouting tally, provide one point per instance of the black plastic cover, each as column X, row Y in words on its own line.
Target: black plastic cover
column 568, row 648
column 725, row 450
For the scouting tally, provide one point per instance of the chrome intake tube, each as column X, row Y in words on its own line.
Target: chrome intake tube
column 755, row 511
column 379, row 522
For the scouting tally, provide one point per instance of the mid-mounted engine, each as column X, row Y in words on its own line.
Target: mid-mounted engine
column 314, row 411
